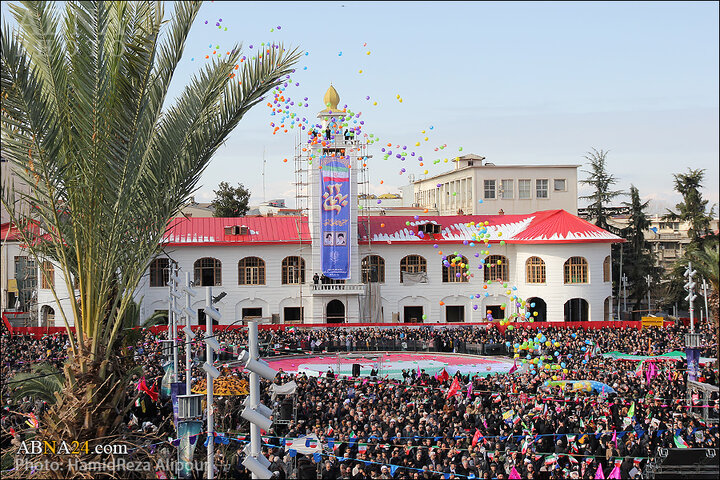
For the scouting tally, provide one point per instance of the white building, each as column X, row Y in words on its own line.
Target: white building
column 479, row 187
column 397, row 273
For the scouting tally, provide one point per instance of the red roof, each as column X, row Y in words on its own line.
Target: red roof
column 9, row 233
column 550, row 226
column 261, row 231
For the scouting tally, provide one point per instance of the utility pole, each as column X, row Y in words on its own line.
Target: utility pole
column 692, row 340
column 649, row 280
column 212, row 346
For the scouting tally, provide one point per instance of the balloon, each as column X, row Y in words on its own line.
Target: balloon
column 424, row 317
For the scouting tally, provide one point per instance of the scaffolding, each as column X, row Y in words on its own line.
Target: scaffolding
column 354, row 147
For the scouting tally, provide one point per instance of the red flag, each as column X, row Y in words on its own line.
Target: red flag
column 152, row 393
column 454, row 388
column 477, row 437
column 444, row 376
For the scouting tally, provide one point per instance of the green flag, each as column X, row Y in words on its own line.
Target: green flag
column 680, row 442
column 631, row 412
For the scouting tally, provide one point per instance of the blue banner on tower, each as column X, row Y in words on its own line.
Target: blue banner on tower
column 335, row 216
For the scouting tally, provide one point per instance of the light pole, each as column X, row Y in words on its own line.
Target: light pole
column 649, row 280
column 212, row 373
column 174, row 313
column 255, row 412
column 690, row 287
column 189, row 315
column 624, row 286
column 707, row 312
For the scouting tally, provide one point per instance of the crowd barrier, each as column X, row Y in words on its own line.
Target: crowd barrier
column 40, row 331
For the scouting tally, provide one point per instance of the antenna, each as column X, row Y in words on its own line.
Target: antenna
column 263, row 173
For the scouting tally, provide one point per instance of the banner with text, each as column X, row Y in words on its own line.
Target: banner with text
column 335, row 216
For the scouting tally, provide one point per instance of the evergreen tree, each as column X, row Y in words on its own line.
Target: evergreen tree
column 639, row 260
column 601, row 181
column 693, row 208
column 229, row 201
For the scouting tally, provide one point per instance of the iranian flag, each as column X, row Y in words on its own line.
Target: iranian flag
column 335, row 173
column 680, row 442
column 362, row 448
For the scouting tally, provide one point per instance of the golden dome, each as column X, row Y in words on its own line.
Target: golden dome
column 331, row 98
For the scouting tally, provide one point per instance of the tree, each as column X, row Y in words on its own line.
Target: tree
column 229, row 201
column 110, row 160
column 693, row 208
column 601, row 181
column 639, row 260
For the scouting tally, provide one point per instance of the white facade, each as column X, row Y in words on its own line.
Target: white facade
column 477, row 187
column 273, row 297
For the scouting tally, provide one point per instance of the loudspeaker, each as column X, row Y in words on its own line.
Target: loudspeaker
column 356, row 370
column 286, row 410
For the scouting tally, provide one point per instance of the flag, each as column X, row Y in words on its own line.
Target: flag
column 524, row 447
column 469, row 389
column 573, row 460
column 550, row 459
column 631, row 411
column 514, row 474
column 152, row 393
column 614, row 438
column 453, row 388
column 477, row 437
column 330, row 430
column 599, row 473
column 680, row 442
column 514, row 368
column 362, row 448
column 615, row 473
column 443, row 376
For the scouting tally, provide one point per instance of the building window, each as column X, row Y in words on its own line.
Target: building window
column 489, row 188
column 160, row 272
column 373, row 269
column 293, row 271
column 251, row 271
column 208, row 272
column 541, row 188
column 506, row 190
column 48, row 275
column 455, row 271
column 534, row 270
column 576, row 270
column 496, row 268
column 524, row 189
column 412, row 264
column 606, row 269
column 560, row 185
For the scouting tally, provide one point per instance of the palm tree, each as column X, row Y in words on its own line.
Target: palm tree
column 707, row 264
column 86, row 122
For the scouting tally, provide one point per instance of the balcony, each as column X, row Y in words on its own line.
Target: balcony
column 337, row 288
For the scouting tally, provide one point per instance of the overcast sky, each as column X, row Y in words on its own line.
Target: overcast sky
column 518, row 83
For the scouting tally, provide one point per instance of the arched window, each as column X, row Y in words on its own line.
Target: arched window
column 412, row 264
column 455, row 271
column 293, row 270
column 534, row 270
column 48, row 275
column 576, row 270
column 208, row 272
column 159, row 272
column 251, row 271
column 606, row 269
column 373, row 269
column 496, row 268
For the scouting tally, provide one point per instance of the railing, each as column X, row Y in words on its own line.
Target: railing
column 336, row 288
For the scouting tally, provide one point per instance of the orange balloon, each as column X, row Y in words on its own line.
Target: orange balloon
column 442, row 303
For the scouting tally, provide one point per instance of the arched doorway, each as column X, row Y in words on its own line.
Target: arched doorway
column 607, row 308
column 335, row 312
column 47, row 316
column 576, row 310
column 539, row 306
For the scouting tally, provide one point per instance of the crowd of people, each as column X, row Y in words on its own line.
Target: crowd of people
column 495, row 426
